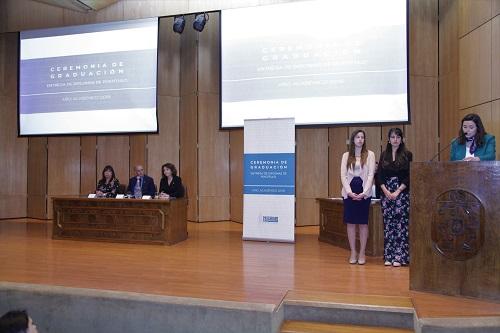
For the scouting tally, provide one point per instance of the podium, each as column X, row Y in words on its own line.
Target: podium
column 455, row 228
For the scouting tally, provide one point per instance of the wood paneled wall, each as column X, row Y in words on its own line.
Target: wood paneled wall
column 13, row 150
column 469, row 53
column 209, row 160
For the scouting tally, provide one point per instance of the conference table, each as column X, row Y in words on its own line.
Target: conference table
column 142, row 221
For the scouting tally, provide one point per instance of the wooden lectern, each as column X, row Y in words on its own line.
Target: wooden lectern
column 455, row 228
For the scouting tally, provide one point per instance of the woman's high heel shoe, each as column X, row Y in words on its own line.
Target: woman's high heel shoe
column 353, row 259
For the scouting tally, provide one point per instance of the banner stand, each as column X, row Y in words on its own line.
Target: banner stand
column 269, row 180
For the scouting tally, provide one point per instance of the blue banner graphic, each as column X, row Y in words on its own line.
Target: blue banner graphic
column 272, row 174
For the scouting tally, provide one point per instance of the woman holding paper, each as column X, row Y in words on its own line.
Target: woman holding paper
column 473, row 143
column 357, row 170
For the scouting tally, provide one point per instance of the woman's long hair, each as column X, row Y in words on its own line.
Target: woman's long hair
column 351, row 160
column 401, row 156
column 480, row 133
column 169, row 166
column 108, row 168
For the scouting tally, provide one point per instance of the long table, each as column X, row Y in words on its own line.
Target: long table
column 333, row 230
column 155, row 221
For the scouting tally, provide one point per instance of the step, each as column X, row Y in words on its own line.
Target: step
column 349, row 309
column 292, row 326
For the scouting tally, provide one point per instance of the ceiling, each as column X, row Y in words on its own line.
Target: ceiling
column 80, row 5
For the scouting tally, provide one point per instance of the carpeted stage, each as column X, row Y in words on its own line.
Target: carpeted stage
column 213, row 268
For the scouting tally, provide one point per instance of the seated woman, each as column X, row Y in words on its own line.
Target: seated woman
column 170, row 184
column 107, row 187
column 473, row 143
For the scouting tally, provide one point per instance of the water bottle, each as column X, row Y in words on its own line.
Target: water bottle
column 137, row 189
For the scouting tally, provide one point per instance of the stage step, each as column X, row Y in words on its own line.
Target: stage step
column 349, row 309
column 292, row 326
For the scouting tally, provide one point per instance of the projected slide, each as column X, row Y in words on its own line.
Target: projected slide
column 98, row 78
column 321, row 62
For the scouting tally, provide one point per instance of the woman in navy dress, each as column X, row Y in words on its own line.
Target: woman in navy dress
column 356, row 172
column 394, row 176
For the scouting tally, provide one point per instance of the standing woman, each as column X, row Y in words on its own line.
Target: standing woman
column 356, row 173
column 394, row 177
column 473, row 143
column 108, row 185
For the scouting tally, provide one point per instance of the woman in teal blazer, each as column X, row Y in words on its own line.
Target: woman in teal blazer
column 473, row 143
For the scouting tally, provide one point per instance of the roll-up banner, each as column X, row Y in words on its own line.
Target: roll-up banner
column 269, row 180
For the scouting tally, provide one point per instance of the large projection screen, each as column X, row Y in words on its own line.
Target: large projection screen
column 322, row 62
column 89, row 79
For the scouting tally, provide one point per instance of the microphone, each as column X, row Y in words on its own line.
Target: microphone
column 441, row 150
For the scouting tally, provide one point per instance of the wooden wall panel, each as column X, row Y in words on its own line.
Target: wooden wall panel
column 236, row 174
column 164, row 146
column 337, row 146
column 88, row 165
column 114, row 151
column 188, row 164
column 3, row 59
column 312, row 162
column 189, row 59
column 10, row 74
column 495, row 8
column 63, row 168
column 151, row 8
column 423, row 37
column 3, row 18
column 37, row 177
column 138, row 152
column 449, row 120
column 213, row 160
column 422, row 134
column 71, row 17
column 306, row 211
column 311, row 173
column 473, row 13
column 495, row 58
column 169, row 59
column 209, row 54
column 14, row 157
column 63, row 171
column 24, row 15
column 111, row 13
column 448, row 36
column 475, row 67
column 13, row 150
column 188, row 116
column 494, row 127
column 483, row 110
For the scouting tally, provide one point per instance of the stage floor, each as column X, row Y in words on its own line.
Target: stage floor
column 213, row 263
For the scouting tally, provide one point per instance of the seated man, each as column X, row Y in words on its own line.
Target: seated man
column 142, row 181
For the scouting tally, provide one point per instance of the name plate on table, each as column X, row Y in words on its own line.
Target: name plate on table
column 91, row 195
column 120, row 196
column 146, row 197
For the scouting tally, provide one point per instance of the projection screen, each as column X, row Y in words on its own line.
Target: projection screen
column 321, row 62
column 89, row 79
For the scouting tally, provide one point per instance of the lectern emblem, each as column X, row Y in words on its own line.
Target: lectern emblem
column 458, row 225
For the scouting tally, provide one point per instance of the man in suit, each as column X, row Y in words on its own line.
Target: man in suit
column 146, row 183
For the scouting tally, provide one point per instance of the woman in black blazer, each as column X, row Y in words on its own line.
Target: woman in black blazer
column 170, row 184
